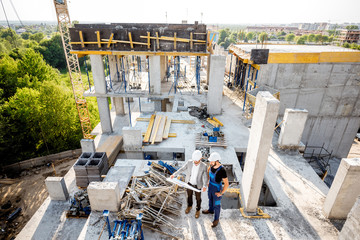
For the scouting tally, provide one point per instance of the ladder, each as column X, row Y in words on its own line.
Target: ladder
column 72, row 62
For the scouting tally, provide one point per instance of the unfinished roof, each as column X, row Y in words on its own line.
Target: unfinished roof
column 139, row 39
column 300, row 53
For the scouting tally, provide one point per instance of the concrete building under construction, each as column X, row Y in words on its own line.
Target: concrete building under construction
column 264, row 109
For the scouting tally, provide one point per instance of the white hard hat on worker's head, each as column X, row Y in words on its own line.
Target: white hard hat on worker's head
column 197, row 155
column 214, row 157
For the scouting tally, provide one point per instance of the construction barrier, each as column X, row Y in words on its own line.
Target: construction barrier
column 39, row 161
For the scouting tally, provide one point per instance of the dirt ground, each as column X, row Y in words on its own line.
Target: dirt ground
column 27, row 193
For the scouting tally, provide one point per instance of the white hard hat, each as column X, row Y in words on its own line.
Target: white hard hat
column 214, row 157
column 197, row 155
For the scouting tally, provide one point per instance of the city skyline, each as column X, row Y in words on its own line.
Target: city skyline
column 265, row 12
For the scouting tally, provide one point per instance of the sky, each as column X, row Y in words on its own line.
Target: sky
column 221, row 12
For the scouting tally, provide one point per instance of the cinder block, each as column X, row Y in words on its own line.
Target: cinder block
column 80, row 164
column 82, row 181
column 56, row 188
column 87, row 145
column 104, row 195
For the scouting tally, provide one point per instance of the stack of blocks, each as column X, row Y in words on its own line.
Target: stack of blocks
column 89, row 167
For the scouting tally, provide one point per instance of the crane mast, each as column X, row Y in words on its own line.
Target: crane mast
column 73, row 66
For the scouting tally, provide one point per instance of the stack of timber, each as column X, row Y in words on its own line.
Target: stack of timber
column 201, row 140
column 155, row 197
column 159, row 127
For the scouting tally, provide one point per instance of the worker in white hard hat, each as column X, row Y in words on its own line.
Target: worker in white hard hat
column 197, row 177
column 217, row 175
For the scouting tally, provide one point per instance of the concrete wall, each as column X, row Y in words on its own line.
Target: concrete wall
column 329, row 91
column 351, row 228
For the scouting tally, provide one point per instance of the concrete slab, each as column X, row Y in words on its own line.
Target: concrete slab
column 121, row 175
column 87, row 145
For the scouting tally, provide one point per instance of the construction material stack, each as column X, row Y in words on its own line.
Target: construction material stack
column 89, row 168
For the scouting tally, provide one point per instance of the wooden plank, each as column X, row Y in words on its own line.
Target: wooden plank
column 112, row 147
column 7, row 181
column 157, row 40
column 172, row 135
column 130, row 39
column 81, row 39
column 218, row 121
column 167, row 128
column 183, row 121
column 98, row 38
column 191, row 40
column 174, row 40
column 160, row 131
column 155, row 128
column 111, row 37
column 148, row 40
column 149, row 128
column 172, row 120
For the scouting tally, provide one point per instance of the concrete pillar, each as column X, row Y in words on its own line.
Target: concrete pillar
column 132, row 142
column 87, row 145
column 56, row 188
column 261, row 133
column 292, row 128
column 216, row 82
column 118, row 104
column 157, row 105
column 155, row 78
column 104, row 195
column 104, row 113
column 163, row 68
column 113, row 69
column 351, row 228
column 97, row 67
column 208, row 63
column 344, row 189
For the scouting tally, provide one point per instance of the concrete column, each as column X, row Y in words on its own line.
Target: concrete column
column 119, row 105
column 87, row 145
column 216, row 82
column 155, row 77
column 132, row 142
column 104, row 113
column 351, row 228
column 344, row 189
column 261, row 133
column 104, row 195
column 163, row 68
column 113, row 69
column 292, row 128
column 208, row 63
column 56, row 188
column 97, row 67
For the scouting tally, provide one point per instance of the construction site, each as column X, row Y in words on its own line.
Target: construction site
column 283, row 118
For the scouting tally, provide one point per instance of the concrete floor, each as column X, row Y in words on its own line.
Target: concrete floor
column 298, row 191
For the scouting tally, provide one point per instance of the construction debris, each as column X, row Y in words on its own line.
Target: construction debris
column 80, row 205
column 155, row 197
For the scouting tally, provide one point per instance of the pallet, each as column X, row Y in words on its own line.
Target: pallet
column 200, row 142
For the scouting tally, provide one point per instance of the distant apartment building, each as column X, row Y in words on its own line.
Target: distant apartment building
column 349, row 36
column 271, row 29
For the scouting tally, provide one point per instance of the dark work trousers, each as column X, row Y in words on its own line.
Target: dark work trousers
column 190, row 197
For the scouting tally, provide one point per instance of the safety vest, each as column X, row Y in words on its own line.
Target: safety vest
column 212, row 179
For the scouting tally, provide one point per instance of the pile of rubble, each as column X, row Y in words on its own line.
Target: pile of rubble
column 155, row 197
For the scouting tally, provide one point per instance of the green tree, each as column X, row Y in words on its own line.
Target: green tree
column 299, row 40
column 8, row 77
column 290, row 37
column 53, row 52
column 354, row 46
column 250, row 36
column 241, row 35
column 222, row 35
column 25, row 35
column 37, row 37
column 325, row 38
column 318, row 38
column 233, row 37
column 311, row 38
column 263, row 37
column 346, row 45
column 350, row 27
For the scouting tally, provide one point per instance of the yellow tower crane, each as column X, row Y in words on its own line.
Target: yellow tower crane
column 72, row 62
